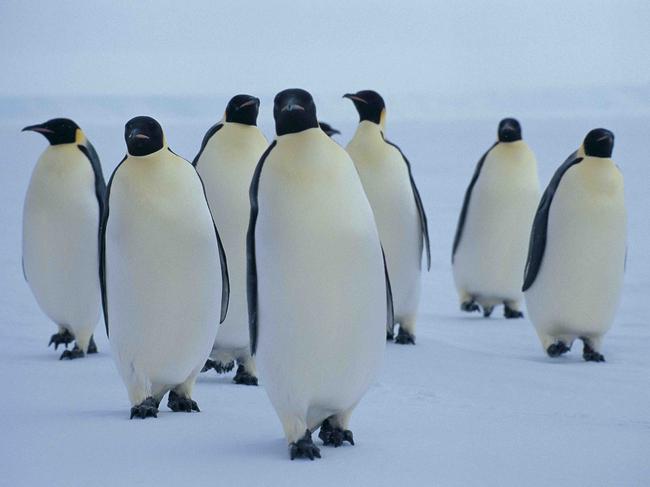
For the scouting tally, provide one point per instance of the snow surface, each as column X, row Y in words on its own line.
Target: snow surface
column 475, row 402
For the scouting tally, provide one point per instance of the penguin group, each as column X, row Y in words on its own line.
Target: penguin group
column 296, row 261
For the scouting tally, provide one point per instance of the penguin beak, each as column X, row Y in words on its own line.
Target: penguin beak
column 252, row 101
column 141, row 136
column 290, row 107
column 354, row 97
column 38, row 128
column 137, row 135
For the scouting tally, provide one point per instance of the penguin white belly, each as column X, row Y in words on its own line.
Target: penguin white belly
column 490, row 259
column 578, row 286
column 162, row 271
column 226, row 167
column 60, row 235
column 386, row 182
column 321, row 285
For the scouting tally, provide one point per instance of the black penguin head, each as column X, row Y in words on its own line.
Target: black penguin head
column 57, row 131
column 294, row 111
column 243, row 109
column 509, row 130
column 369, row 104
column 328, row 129
column 143, row 136
column 599, row 143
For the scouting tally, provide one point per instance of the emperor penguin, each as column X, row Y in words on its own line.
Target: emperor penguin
column 401, row 220
column 63, row 208
column 491, row 240
column 576, row 258
column 318, row 295
column 229, row 153
column 163, row 272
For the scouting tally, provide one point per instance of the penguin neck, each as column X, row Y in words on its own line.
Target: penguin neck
column 151, row 155
column 600, row 175
column 366, row 128
column 300, row 137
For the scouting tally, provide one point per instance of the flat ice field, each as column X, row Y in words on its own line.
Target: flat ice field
column 475, row 402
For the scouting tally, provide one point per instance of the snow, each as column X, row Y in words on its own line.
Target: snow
column 475, row 402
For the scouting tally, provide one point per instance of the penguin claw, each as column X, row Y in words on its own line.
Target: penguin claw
column 487, row 311
column 334, row 436
column 219, row 367
column 244, row 377
column 389, row 336
column 92, row 346
column 146, row 409
column 590, row 355
column 178, row 403
column 510, row 313
column 304, row 448
column 76, row 352
column 404, row 337
column 64, row 337
column 469, row 306
column 557, row 349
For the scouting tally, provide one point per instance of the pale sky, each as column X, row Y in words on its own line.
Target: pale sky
column 207, row 47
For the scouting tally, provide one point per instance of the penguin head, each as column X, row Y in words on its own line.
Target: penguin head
column 57, row 131
column 599, row 143
column 328, row 129
column 243, row 109
column 143, row 136
column 509, row 130
column 369, row 104
column 294, row 111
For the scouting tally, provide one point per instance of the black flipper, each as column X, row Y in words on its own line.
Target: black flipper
column 390, row 312
column 102, row 245
column 468, row 195
column 206, row 138
column 251, row 263
column 424, row 225
column 100, row 185
column 537, row 244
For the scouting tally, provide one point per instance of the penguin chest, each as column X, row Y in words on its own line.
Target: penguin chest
column 320, row 279
column 491, row 256
column 580, row 280
column 60, row 227
column 162, row 269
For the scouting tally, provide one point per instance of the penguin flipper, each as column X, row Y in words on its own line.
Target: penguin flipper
column 424, row 225
column 206, row 138
column 102, row 245
column 537, row 244
column 468, row 195
column 328, row 129
column 100, row 185
column 390, row 312
column 251, row 263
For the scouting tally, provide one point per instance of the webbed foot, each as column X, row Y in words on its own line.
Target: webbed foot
column 510, row 313
column 334, row 436
column 304, row 448
column 146, row 409
column 244, row 377
column 487, row 311
column 219, row 367
column 62, row 338
column 590, row 355
column 469, row 306
column 76, row 352
column 178, row 403
column 404, row 337
column 92, row 346
column 557, row 349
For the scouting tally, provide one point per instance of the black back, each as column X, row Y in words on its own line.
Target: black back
column 206, row 138
column 100, row 185
column 424, row 225
column 251, row 262
column 538, row 233
column 468, row 196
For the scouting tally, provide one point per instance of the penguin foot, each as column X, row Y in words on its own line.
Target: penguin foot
column 92, row 346
column 469, row 306
column 487, row 311
column 404, row 337
column 61, row 338
column 146, row 409
column 178, row 403
column 510, row 313
column 334, row 436
column 304, row 448
column 219, row 367
column 557, row 349
column 76, row 352
column 389, row 336
column 244, row 377
column 590, row 355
